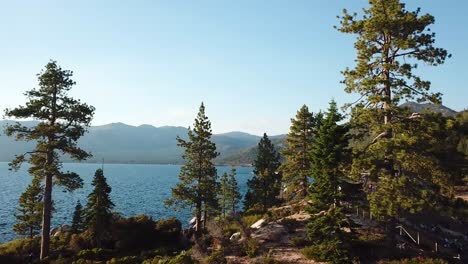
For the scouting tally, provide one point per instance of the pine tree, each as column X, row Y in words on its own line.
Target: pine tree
column 62, row 121
column 297, row 154
column 229, row 195
column 391, row 41
column 98, row 211
column 235, row 196
column 264, row 187
column 224, row 194
column 77, row 221
column 328, row 156
column 30, row 210
column 198, row 185
column 329, row 153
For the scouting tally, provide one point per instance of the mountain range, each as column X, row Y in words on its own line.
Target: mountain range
column 121, row 143
column 419, row 108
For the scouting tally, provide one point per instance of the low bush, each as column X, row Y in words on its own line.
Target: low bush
column 216, row 257
column 419, row 260
column 141, row 232
column 299, row 241
column 87, row 261
column 250, row 247
column 266, row 260
column 182, row 258
column 290, row 224
column 20, row 249
column 249, row 220
column 92, row 254
column 326, row 252
column 124, row 260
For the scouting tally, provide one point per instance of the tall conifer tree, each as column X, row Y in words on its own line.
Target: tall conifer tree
column 62, row 121
column 296, row 166
column 77, row 221
column 198, row 187
column 234, row 194
column 328, row 157
column 224, row 194
column 98, row 212
column 229, row 195
column 391, row 41
column 264, row 187
column 30, row 210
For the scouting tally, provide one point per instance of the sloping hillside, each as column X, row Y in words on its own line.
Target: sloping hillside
column 121, row 143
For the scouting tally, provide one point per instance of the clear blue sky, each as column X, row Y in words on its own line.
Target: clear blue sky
column 252, row 62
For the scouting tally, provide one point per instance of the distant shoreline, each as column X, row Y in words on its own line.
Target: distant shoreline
column 143, row 163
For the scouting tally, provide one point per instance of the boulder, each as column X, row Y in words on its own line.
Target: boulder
column 236, row 236
column 272, row 232
column 258, row 224
column 59, row 230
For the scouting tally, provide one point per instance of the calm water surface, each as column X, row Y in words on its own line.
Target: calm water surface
column 136, row 189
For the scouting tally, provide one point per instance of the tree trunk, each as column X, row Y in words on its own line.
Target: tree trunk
column 197, row 219
column 46, row 216
column 205, row 217
column 304, row 187
column 47, row 211
column 388, row 100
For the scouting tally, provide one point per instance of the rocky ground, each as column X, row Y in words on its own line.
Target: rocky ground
column 275, row 239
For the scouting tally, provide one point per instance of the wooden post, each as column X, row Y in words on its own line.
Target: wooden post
column 401, row 230
column 370, row 215
column 418, row 238
column 436, row 248
column 357, row 211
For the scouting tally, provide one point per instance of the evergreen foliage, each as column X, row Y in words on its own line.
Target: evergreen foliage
column 62, row 121
column 391, row 41
column 264, row 187
column 329, row 153
column 198, row 187
column 224, row 194
column 234, row 193
column 29, row 214
column 78, row 220
column 229, row 195
column 297, row 164
column 328, row 156
column 98, row 211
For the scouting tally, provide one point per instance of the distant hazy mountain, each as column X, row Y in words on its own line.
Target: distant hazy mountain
column 246, row 156
column 121, row 143
column 419, row 108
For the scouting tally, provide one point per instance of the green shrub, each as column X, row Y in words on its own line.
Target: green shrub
column 86, row 261
column 124, row 260
column 182, row 258
column 290, row 224
column 141, row 232
column 159, row 252
column 216, row 258
column 416, row 261
column 266, row 260
column 92, row 254
column 60, row 260
column 61, row 241
column 249, row 220
column 251, row 247
column 230, row 228
column 20, row 248
column 299, row 241
column 330, row 251
column 169, row 232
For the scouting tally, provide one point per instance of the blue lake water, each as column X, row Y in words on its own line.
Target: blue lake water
column 136, row 189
